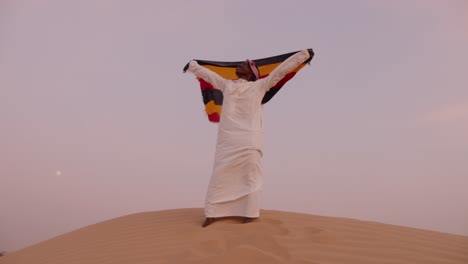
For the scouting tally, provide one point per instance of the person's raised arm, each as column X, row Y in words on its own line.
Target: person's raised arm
column 285, row 67
column 207, row 75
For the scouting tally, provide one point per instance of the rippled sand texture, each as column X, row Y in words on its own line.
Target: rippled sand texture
column 175, row 236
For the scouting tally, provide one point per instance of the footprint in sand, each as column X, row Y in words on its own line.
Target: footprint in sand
column 313, row 234
column 279, row 229
column 257, row 240
column 207, row 248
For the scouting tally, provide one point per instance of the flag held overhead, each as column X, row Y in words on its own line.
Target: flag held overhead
column 213, row 98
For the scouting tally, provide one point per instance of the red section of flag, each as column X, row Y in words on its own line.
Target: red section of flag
column 205, row 85
column 214, row 117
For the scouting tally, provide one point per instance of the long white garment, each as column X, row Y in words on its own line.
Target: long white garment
column 237, row 171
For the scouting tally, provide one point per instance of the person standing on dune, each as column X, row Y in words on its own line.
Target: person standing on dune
column 237, row 172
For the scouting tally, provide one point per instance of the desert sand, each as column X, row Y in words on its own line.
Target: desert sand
column 175, row 236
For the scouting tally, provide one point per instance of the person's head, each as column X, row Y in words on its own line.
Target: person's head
column 247, row 71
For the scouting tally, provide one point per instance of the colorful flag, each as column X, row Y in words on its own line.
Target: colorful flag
column 213, row 98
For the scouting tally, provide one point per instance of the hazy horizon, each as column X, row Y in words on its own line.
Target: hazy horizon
column 97, row 120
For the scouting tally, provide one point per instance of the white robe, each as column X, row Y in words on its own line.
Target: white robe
column 237, row 172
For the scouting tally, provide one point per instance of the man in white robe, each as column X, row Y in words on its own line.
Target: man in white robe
column 237, row 173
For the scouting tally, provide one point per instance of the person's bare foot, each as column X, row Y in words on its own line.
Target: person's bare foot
column 208, row 221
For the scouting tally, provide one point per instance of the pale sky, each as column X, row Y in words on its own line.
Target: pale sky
column 97, row 120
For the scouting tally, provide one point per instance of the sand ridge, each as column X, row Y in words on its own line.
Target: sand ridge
column 175, row 236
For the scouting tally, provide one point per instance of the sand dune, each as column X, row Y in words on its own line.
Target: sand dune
column 175, row 236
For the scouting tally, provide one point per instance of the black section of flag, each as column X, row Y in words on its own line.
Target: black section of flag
column 215, row 95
